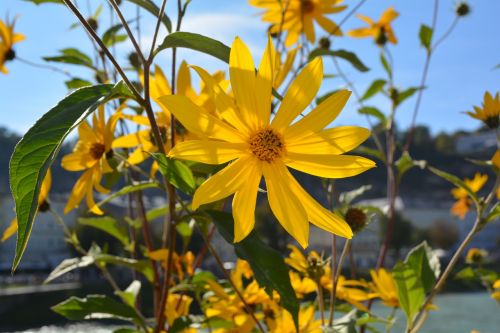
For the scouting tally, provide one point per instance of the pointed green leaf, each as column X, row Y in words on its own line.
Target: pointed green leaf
column 374, row 112
column 425, row 263
column 152, row 8
column 128, row 189
column 108, row 225
column 455, row 181
column 411, row 292
column 350, row 57
column 36, row 151
column 425, row 35
column 67, row 265
column 373, row 89
column 177, row 173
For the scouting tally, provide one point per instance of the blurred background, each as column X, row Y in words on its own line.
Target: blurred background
column 461, row 71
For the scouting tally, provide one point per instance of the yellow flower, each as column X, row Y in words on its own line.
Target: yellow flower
column 7, row 40
column 240, row 271
column 91, row 154
column 496, row 288
column 183, row 264
column 489, row 111
column 381, row 31
column 384, row 287
column 475, row 256
column 463, row 203
column 302, row 286
column 283, row 321
column 351, row 291
column 177, row 306
column 258, row 147
column 43, row 205
column 300, row 17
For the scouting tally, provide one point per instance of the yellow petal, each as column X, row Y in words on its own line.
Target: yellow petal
column 300, row 94
column 198, row 121
column 131, row 140
column 329, row 166
column 320, row 117
column 244, row 202
column 223, row 183
column 328, row 25
column 264, row 83
column 334, row 141
column 77, row 162
column 141, row 154
column 285, row 205
column 242, row 73
column 389, row 15
column 183, row 79
column 309, row 28
column 361, row 33
column 287, row 66
column 208, row 151
column 10, row 230
column 317, row 214
column 78, row 191
column 225, row 104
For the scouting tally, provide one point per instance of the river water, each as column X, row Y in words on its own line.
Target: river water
column 458, row 313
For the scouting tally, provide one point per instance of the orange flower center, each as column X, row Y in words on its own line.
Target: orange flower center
column 307, row 6
column 267, row 145
column 97, row 150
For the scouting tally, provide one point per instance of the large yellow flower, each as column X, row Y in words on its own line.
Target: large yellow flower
column 299, row 18
column 381, row 31
column 7, row 40
column 43, row 205
column 91, row 154
column 489, row 111
column 257, row 146
column 462, row 205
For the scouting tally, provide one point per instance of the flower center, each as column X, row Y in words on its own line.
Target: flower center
column 97, row 150
column 307, row 6
column 10, row 55
column 267, row 145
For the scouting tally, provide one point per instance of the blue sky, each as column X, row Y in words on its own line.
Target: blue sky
column 461, row 70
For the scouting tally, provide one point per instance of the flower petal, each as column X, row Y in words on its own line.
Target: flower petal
column 316, row 213
column 244, row 202
column 329, row 166
column 10, row 230
column 196, row 120
column 208, row 151
column 328, row 25
column 242, row 74
column 285, row 205
column 223, row 183
column 264, row 83
column 77, row 162
column 320, row 117
column 131, row 140
column 333, row 141
column 300, row 94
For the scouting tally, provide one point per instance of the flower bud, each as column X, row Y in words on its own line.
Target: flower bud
column 476, row 256
column 462, row 9
column 324, row 43
column 356, row 218
column 134, row 60
column 381, row 37
column 92, row 22
column 10, row 55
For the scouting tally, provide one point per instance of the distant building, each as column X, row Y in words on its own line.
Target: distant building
column 476, row 142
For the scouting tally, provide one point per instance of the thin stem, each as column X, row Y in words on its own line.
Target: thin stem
column 347, row 244
column 157, row 29
column 247, row 307
column 43, row 66
column 321, row 300
column 104, row 49
column 127, row 29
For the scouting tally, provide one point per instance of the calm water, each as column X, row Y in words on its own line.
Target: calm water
column 458, row 313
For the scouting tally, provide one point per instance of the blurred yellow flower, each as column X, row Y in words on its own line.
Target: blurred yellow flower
column 43, row 206
column 381, row 31
column 384, row 287
column 496, row 293
column 463, row 203
column 283, row 321
column 183, row 264
column 489, row 111
column 7, row 40
column 177, row 306
column 476, row 256
column 91, row 154
column 302, row 286
column 300, row 17
column 257, row 146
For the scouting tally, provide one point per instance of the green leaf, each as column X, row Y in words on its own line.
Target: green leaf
column 196, row 42
column 405, row 163
column 36, row 151
column 128, row 189
column 425, row 35
column 425, row 263
column 176, row 172
column 370, row 152
column 493, row 214
column 109, row 225
column 385, row 65
column 466, row 274
column 76, row 83
column 350, row 57
column 373, row 111
column 72, row 56
column 268, row 265
column 38, row 2
column 67, row 265
column 110, row 36
column 455, row 181
column 346, row 198
column 152, row 8
column 405, row 94
column 411, row 292
column 95, row 307
column 142, row 266
column 373, row 89
column 129, row 295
